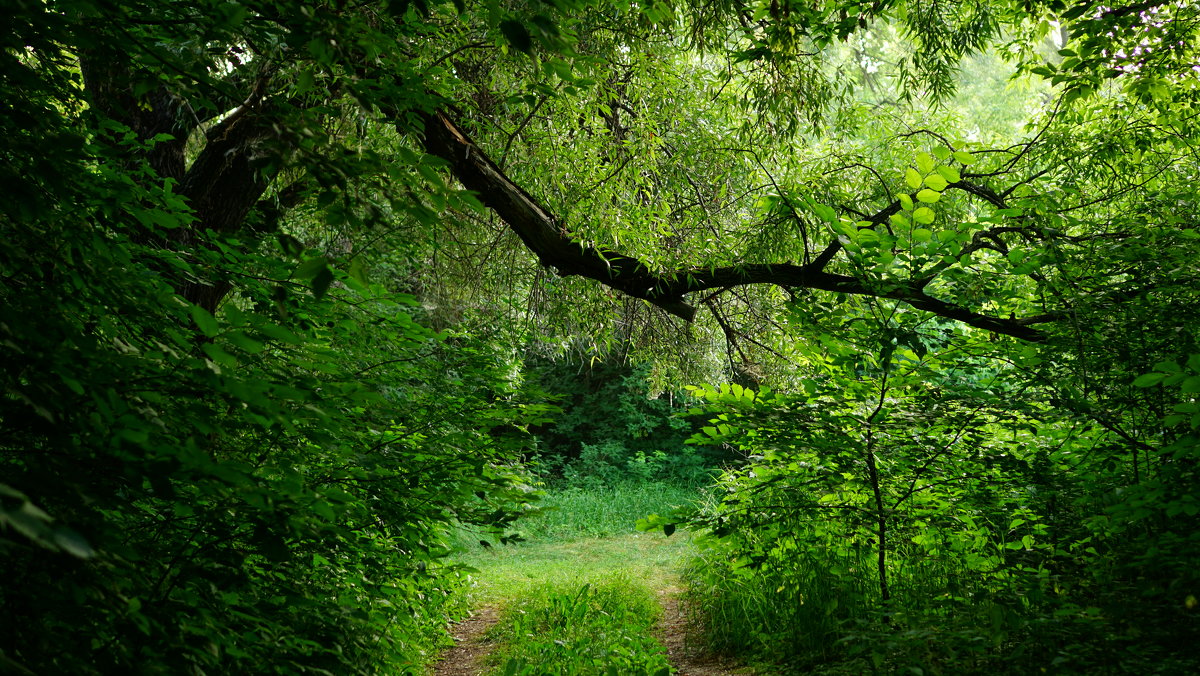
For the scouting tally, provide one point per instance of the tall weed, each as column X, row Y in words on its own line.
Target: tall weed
column 602, row 627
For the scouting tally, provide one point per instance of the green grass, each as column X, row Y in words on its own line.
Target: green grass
column 603, row 627
column 579, row 595
column 572, row 513
column 582, row 535
column 811, row 611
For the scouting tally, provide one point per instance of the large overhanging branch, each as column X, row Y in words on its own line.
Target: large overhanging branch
column 551, row 242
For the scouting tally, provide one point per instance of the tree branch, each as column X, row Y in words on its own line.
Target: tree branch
column 551, row 242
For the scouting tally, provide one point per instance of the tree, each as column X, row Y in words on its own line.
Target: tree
column 204, row 391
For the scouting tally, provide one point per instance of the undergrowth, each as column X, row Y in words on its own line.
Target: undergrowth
column 573, row 512
column 601, row 627
column 576, row 596
column 578, row 534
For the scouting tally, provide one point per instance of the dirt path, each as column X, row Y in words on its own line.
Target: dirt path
column 470, row 647
column 683, row 654
column 466, row 657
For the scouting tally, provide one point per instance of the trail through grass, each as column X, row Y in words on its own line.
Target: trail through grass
column 584, row 592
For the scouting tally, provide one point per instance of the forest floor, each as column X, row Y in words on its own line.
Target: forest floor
column 507, row 574
column 472, row 646
column 685, row 656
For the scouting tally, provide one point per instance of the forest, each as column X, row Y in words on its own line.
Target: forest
column 523, row 337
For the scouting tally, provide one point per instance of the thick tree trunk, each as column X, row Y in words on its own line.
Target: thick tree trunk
column 223, row 183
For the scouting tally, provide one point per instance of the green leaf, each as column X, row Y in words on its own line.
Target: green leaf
column 925, row 163
column 310, row 268
column 922, row 235
column 290, row 245
column 219, row 355
column 358, row 272
column 964, row 157
column 950, row 174
column 205, row 321
column 322, row 281
column 912, row 178
column 1173, row 420
column 923, row 215
column 825, row 213
column 936, row 182
column 517, row 35
column 244, row 342
column 279, row 333
column 929, row 196
column 234, row 315
column 73, row 543
column 942, row 153
column 1192, row 384
column 1149, row 379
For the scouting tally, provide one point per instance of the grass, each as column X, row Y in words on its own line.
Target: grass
column 579, row 536
column 579, row 595
column 574, row 512
column 604, row 627
column 809, row 610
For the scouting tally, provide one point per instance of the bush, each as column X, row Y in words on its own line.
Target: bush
column 611, row 429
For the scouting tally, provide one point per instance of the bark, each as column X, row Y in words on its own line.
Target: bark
column 223, row 183
column 555, row 247
column 881, row 511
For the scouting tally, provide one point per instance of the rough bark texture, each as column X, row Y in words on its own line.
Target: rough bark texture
column 555, row 247
column 222, row 184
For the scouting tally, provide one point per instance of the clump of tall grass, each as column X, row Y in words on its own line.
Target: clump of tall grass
column 814, row 609
column 577, row 512
column 791, row 613
column 602, row 627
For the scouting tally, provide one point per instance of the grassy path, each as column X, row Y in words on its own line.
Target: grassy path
column 586, row 588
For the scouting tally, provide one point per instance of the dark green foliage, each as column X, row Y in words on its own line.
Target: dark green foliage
column 217, row 457
column 247, row 489
column 1010, row 537
column 224, row 449
column 612, row 429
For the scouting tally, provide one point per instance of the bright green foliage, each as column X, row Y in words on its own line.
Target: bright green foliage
column 907, row 493
column 598, row 628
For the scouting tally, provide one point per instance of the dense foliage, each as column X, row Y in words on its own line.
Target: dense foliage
column 273, row 272
column 609, row 428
